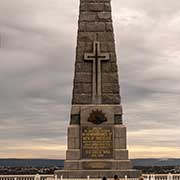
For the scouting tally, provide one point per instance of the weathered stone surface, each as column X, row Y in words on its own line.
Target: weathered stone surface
column 111, row 99
column 110, row 88
column 82, row 26
column 109, row 67
column 79, row 57
column 109, row 26
column 107, row 47
column 113, row 57
column 95, row 27
column 73, row 131
column 88, row 17
column 87, row 36
column 118, row 119
column 83, row 6
column 73, row 143
column 70, row 164
column 118, row 109
column 83, row 77
column 75, row 119
column 123, row 164
column 84, row 67
column 120, row 154
column 75, row 109
column 82, row 88
column 105, row 37
column 119, row 131
column 110, row 78
column 84, row 47
column 73, row 154
column 106, row 16
column 107, row 7
column 120, row 143
column 95, row 7
column 82, row 99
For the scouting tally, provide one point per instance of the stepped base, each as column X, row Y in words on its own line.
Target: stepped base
column 130, row 173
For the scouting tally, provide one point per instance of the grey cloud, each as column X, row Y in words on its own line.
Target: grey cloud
column 37, row 55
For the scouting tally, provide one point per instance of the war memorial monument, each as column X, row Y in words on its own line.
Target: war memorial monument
column 96, row 134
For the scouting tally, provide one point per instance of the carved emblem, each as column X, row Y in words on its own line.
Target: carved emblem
column 97, row 117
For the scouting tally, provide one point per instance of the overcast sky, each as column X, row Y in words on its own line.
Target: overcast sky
column 37, row 54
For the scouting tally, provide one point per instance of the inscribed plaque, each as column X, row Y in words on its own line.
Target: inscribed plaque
column 97, row 142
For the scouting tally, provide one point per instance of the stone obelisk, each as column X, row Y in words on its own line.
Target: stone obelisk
column 96, row 134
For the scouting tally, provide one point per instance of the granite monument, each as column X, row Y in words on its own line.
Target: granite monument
column 96, row 134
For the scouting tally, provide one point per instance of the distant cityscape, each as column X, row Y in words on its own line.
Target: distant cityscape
column 48, row 166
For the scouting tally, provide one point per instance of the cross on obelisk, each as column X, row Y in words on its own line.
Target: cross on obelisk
column 96, row 57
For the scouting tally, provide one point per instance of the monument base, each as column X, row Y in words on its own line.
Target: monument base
column 130, row 173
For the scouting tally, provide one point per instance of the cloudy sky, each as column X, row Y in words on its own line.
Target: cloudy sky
column 37, row 53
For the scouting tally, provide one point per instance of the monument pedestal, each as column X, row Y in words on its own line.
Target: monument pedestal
column 97, row 149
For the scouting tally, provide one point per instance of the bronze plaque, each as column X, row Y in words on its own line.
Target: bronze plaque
column 97, row 142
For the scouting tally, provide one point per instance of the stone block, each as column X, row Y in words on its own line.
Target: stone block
column 109, row 27
column 119, row 131
column 120, row 143
column 95, row 7
column 111, row 99
column 73, row 143
column 82, row 26
column 104, row 47
column 75, row 109
column 106, row 16
column 71, row 165
column 95, row 26
column 82, row 99
column 118, row 119
column 86, row 36
column 84, row 46
column 75, row 119
column 113, row 57
column 123, row 164
column 107, row 47
column 79, row 57
column 110, row 88
column 105, row 36
column 118, row 109
column 83, row 6
column 87, row 17
column 110, row 78
column 121, row 154
column 82, row 88
column 83, row 77
column 73, row 131
column 108, row 67
column 84, row 67
column 107, row 6
column 73, row 154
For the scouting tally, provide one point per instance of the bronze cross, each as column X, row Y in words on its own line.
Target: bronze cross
column 96, row 57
